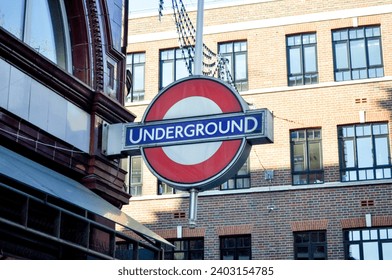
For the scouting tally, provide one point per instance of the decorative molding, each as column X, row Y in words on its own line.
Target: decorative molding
column 271, row 22
column 97, row 45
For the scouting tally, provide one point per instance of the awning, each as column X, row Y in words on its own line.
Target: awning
column 53, row 183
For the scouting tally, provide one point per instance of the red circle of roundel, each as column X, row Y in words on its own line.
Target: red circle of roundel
column 210, row 89
column 190, row 174
column 172, row 171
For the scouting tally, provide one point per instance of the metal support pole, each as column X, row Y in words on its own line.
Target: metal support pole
column 193, row 207
column 199, row 38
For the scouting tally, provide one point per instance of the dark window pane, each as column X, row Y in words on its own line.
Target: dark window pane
column 236, row 248
column 186, row 249
column 228, row 255
column 310, row 245
column 229, row 243
column 306, row 156
column 179, row 256
column 299, row 157
column 315, row 156
column 243, row 254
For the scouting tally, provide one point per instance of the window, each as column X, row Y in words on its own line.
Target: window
column 240, row 181
column 136, row 176
column 236, row 247
column 306, row 157
column 116, row 15
column 41, row 24
column 236, row 56
column 136, row 67
column 310, row 245
column 185, row 249
column 302, row 59
column 368, row 244
column 164, row 188
column 357, row 53
column 111, row 74
column 364, row 152
column 174, row 64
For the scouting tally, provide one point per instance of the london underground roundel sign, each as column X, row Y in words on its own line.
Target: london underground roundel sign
column 196, row 133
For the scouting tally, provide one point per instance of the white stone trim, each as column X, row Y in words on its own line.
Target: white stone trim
column 265, row 23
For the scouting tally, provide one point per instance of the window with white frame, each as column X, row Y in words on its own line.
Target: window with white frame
column 136, row 176
column 368, row 244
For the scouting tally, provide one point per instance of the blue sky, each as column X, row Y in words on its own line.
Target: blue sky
column 136, row 6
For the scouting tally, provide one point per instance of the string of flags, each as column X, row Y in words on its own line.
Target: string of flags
column 213, row 64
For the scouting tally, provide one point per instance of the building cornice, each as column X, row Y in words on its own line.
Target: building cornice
column 268, row 189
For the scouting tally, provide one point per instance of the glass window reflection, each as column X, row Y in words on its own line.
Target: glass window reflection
column 236, row 247
column 185, row 249
column 174, row 64
column 41, row 25
column 368, row 244
column 364, row 152
column 357, row 56
column 12, row 16
column 302, row 59
column 234, row 63
column 306, row 156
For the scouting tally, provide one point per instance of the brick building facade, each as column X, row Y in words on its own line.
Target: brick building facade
column 325, row 71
